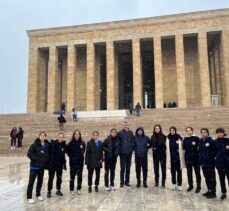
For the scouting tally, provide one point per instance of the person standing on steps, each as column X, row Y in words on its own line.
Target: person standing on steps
column 57, row 163
column 13, row 137
column 126, row 138
column 20, row 136
column 158, row 143
column 62, row 121
column 137, row 109
column 190, row 146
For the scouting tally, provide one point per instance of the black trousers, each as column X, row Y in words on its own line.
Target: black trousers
column 125, row 163
column 141, row 163
column 110, row 166
column 210, row 178
column 156, row 163
column 196, row 167
column 19, row 143
column 13, row 142
column 90, row 175
column 176, row 173
column 222, row 175
column 73, row 173
column 39, row 174
column 52, row 173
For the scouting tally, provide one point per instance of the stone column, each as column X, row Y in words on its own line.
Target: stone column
column 90, row 77
column 111, row 90
column 159, row 97
column 137, row 72
column 71, row 68
column 225, row 62
column 52, row 79
column 32, row 80
column 204, row 69
column 181, row 81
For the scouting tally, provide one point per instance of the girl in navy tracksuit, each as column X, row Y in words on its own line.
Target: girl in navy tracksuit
column 141, row 146
column 222, row 159
column 190, row 145
column 158, row 142
column 207, row 162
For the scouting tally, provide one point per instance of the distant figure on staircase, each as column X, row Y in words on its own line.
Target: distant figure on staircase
column 20, row 136
column 74, row 115
column 13, row 137
column 131, row 108
column 61, row 120
column 137, row 109
column 62, row 108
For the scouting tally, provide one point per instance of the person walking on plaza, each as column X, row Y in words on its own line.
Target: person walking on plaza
column 13, row 137
column 39, row 160
column 94, row 160
column 126, row 138
column 175, row 158
column 190, row 146
column 207, row 162
column 222, row 159
column 111, row 149
column 61, row 119
column 158, row 142
column 20, row 136
column 76, row 150
column 141, row 145
column 57, row 163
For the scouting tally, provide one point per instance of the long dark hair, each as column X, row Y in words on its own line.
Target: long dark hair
column 73, row 135
column 154, row 128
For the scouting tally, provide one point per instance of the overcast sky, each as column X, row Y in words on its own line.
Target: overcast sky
column 17, row 16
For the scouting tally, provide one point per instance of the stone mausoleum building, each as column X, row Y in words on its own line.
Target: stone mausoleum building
column 180, row 58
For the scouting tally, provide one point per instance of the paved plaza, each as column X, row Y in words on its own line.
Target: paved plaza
column 14, row 172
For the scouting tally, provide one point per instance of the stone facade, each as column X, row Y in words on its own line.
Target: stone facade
column 180, row 58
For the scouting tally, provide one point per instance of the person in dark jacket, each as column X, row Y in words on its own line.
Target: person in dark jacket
column 141, row 146
column 61, row 119
column 39, row 159
column 190, row 145
column 57, row 163
column 207, row 162
column 94, row 160
column 76, row 150
column 158, row 142
column 222, row 159
column 111, row 149
column 137, row 109
column 20, row 136
column 13, row 136
column 126, row 138
column 175, row 148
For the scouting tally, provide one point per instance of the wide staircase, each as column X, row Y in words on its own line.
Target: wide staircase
column 32, row 124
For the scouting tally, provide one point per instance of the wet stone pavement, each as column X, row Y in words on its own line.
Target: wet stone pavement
column 14, row 172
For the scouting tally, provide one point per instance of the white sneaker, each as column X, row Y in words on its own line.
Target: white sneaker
column 72, row 193
column 30, row 201
column 113, row 188
column 173, row 187
column 179, row 188
column 11, row 147
column 108, row 189
column 40, row 198
column 78, row 192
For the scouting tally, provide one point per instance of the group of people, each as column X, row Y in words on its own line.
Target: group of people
column 172, row 151
column 16, row 137
column 137, row 109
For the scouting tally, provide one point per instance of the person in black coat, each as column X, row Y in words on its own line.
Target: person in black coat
column 20, row 136
column 57, row 163
column 207, row 162
column 94, row 160
column 126, row 138
column 222, row 159
column 190, row 145
column 75, row 151
column 61, row 119
column 158, row 143
column 13, row 136
column 111, row 149
column 39, row 160
column 141, row 146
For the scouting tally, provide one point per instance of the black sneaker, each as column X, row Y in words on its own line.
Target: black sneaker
column 145, row 185
column 211, row 196
column 59, row 193
column 163, row 187
column 49, row 194
column 121, row 185
column 138, row 185
column 224, row 196
column 207, row 193
column 156, row 185
column 128, row 185
column 189, row 189
column 96, row 189
column 197, row 190
column 89, row 189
